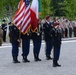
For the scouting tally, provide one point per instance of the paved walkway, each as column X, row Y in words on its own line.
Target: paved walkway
column 44, row 67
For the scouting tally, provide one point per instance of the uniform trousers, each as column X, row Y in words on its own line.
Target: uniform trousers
column 37, row 46
column 15, row 49
column 48, row 47
column 56, row 52
column 4, row 36
column 25, row 47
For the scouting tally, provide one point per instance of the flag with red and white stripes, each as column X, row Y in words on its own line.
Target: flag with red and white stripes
column 22, row 19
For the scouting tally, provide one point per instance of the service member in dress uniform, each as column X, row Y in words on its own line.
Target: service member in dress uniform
column 15, row 40
column 4, row 28
column 47, row 27
column 26, row 41
column 56, row 33
column 25, row 45
column 37, row 37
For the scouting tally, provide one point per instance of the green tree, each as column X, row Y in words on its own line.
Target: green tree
column 63, row 8
column 8, row 7
column 48, row 7
column 45, row 6
column 56, row 7
column 70, row 7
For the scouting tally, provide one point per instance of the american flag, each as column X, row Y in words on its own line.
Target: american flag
column 22, row 19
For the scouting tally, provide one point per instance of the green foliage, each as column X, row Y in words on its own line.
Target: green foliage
column 7, row 7
column 56, row 7
column 45, row 8
column 63, row 8
column 70, row 8
column 48, row 7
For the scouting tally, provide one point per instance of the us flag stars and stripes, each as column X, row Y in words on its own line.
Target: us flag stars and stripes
column 22, row 18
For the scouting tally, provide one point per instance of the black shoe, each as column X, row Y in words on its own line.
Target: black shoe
column 26, row 60
column 16, row 61
column 58, row 65
column 49, row 58
column 37, row 59
column 54, row 65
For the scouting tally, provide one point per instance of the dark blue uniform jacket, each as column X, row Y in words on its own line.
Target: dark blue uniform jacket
column 14, row 34
column 47, row 31
column 56, row 36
